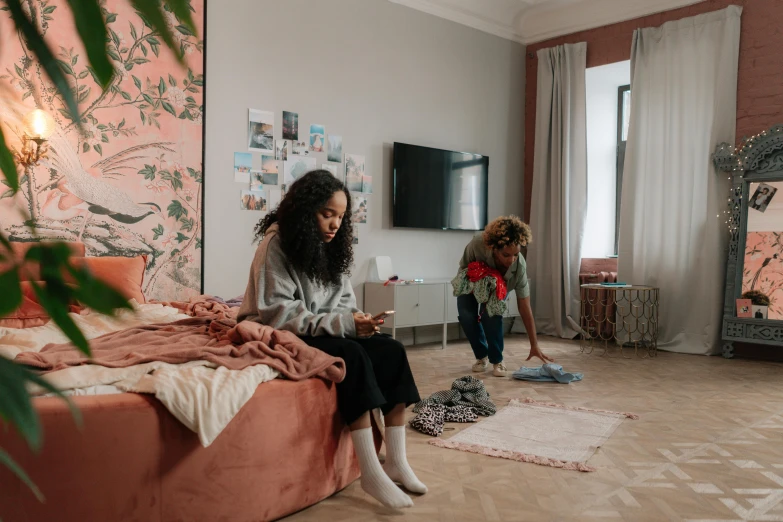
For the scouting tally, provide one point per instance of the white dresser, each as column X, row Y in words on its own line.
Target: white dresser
column 420, row 304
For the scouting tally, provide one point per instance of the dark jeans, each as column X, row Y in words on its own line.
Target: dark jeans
column 485, row 336
column 377, row 374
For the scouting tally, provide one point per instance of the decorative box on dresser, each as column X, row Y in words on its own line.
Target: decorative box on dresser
column 418, row 304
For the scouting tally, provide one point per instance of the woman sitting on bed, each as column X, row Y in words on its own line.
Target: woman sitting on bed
column 299, row 282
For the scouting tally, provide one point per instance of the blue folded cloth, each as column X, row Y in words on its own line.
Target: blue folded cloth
column 549, row 372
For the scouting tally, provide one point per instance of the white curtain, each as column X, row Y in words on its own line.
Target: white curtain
column 559, row 199
column 683, row 103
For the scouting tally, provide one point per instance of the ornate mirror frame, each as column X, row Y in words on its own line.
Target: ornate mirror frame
column 760, row 158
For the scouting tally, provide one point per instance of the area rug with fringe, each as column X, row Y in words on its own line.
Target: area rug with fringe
column 542, row 433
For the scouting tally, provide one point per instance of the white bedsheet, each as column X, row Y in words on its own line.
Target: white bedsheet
column 204, row 398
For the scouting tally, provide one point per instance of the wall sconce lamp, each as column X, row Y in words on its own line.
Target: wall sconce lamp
column 38, row 126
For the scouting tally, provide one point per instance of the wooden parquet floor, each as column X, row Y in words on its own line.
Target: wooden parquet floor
column 708, row 445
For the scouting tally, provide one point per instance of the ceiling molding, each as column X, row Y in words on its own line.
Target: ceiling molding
column 463, row 17
column 544, row 19
column 598, row 13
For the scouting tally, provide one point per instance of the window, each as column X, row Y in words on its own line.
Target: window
column 623, row 119
column 608, row 101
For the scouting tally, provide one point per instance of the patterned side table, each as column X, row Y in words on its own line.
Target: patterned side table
column 624, row 316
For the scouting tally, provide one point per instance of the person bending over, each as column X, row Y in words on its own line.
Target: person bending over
column 498, row 247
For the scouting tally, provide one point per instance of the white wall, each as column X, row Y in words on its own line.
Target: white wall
column 371, row 71
column 601, row 84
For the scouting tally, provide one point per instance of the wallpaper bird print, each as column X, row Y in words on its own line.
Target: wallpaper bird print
column 131, row 183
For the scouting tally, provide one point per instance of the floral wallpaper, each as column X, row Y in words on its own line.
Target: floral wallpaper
column 761, row 248
column 131, row 183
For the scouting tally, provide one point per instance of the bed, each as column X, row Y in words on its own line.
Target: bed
column 281, row 451
column 285, row 450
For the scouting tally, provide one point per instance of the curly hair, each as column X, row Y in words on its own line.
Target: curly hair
column 325, row 263
column 507, row 230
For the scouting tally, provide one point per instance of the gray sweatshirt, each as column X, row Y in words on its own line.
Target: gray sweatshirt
column 277, row 295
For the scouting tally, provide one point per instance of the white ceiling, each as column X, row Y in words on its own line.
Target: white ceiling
column 529, row 21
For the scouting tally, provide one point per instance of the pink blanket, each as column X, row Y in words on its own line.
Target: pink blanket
column 212, row 334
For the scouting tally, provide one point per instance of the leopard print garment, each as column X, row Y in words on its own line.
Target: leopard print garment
column 431, row 418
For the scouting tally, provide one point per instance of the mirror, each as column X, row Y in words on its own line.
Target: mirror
column 763, row 263
column 753, row 300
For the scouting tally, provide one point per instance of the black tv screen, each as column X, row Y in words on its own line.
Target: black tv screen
column 440, row 189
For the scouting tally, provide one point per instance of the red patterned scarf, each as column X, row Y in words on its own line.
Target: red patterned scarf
column 478, row 270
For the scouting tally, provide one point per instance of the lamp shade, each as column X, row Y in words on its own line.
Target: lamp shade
column 38, row 125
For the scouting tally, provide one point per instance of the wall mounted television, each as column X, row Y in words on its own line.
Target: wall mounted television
column 440, row 189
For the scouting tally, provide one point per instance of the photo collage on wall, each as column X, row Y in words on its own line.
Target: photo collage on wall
column 273, row 164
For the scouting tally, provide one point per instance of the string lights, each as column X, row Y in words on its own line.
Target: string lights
column 738, row 160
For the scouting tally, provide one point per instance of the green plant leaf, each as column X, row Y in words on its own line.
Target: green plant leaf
column 136, row 82
column 15, row 405
column 7, row 165
column 51, row 299
column 184, row 30
column 92, row 31
column 36, row 44
column 98, row 148
column 169, row 108
column 65, row 66
column 187, row 224
column 153, row 14
column 181, row 237
column 16, row 469
column 176, row 210
column 96, row 294
column 181, row 9
column 10, row 290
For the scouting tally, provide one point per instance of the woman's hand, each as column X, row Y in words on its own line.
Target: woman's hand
column 366, row 326
column 535, row 351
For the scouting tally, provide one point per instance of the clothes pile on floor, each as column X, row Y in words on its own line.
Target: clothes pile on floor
column 549, row 372
column 464, row 402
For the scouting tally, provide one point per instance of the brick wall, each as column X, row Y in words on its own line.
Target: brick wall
column 760, row 85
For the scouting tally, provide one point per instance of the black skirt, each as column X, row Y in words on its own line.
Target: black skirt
column 377, row 374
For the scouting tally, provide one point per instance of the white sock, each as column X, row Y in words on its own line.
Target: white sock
column 374, row 481
column 396, row 465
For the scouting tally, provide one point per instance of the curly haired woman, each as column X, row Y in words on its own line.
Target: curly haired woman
column 499, row 248
column 299, row 282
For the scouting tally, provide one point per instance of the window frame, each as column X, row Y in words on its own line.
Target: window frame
column 619, row 162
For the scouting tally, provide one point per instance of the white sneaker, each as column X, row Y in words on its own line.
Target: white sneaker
column 481, row 365
column 499, row 370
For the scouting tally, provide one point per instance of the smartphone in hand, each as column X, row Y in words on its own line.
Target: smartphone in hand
column 383, row 315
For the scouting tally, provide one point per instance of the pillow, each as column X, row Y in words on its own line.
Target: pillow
column 30, row 313
column 124, row 274
column 30, row 269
